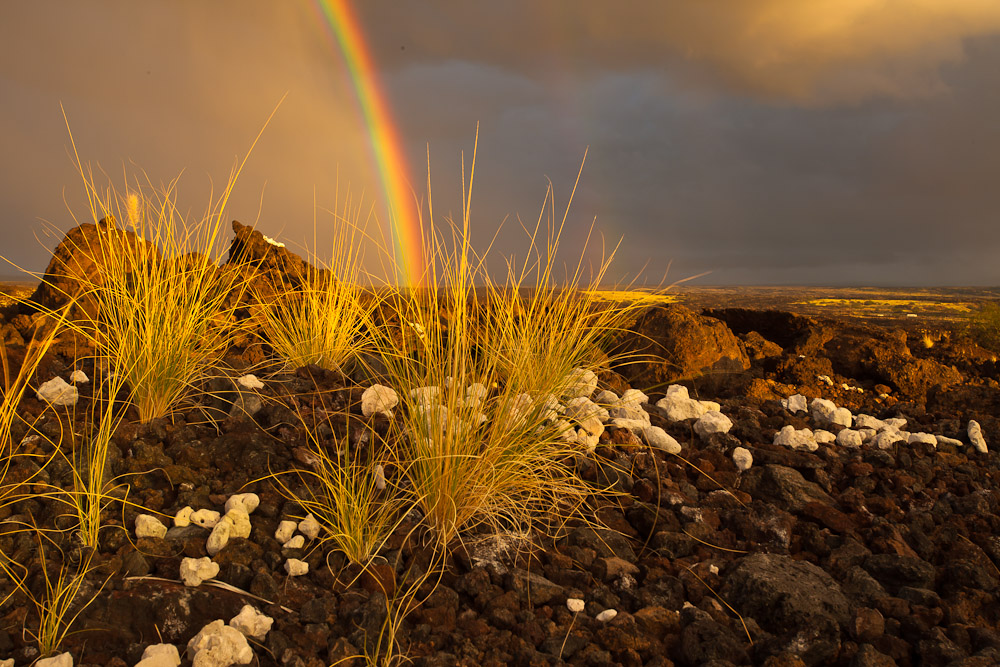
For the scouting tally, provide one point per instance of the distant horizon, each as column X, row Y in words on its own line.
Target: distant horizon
column 15, row 279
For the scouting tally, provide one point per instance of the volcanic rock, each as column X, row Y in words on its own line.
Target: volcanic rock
column 685, row 345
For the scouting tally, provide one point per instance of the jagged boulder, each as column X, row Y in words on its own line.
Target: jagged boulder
column 78, row 263
column 272, row 266
column 677, row 343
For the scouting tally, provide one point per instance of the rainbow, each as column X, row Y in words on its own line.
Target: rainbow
column 342, row 26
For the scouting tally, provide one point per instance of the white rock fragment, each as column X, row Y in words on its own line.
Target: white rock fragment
column 196, row 570
column 896, row 423
column 9, row 662
column 205, row 518
column 378, row 472
column 240, row 520
column 309, row 527
column 924, row 438
column 424, row 396
column 629, row 413
column 218, row 645
column 575, row 605
column 378, row 399
column 866, row 434
column 57, row 392
column 867, row 421
column 823, row 437
column 475, row 394
column 250, row 381
column 589, row 433
column 825, row 379
column 633, row 397
column 742, row 458
column 711, row 422
column 247, row 502
column 606, row 615
column 678, row 406
column 61, row 660
column 789, row 436
column 183, row 516
column 976, row 436
column 219, row 537
column 607, row 398
column 147, row 525
column 825, row 412
column 654, row 436
column 251, row 622
column 795, row 403
column 78, row 377
column 952, row 442
column 160, row 655
column 295, row 567
column 285, row 531
column 580, row 382
column 582, row 408
column 296, row 542
column 886, row 438
column 849, row 438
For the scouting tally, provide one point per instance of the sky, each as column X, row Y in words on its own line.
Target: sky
column 829, row 142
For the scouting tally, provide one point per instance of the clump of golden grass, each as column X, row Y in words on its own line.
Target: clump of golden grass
column 324, row 320
column 163, row 309
column 481, row 448
column 345, row 491
column 56, row 597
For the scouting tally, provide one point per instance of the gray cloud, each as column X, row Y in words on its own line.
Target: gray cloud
column 767, row 141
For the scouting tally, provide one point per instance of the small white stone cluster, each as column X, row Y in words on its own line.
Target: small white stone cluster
column 309, row 528
column 577, row 417
column 234, row 523
column 276, row 244
column 858, row 429
column 221, row 645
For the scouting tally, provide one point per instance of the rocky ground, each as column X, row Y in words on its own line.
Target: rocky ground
column 824, row 554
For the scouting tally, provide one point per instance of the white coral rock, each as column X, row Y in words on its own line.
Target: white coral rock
column 251, row 622
column 655, row 436
column 196, row 570
column 160, row 655
column 285, row 531
column 712, row 422
column 205, row 518
column 742, row 458
column 789, row 436
column 309, row 527
column 245, row 501
column 219, row 537
column 57, row 392
column 378, row 399
column 295, row 567
column 240, row 519
column 250, row 381
column 976, row 436
column 147, row 525
column 218, row 645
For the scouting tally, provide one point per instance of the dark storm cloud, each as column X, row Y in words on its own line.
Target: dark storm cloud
column 847, row 141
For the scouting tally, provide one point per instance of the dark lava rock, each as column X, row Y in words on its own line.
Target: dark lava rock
column 799, row 603
column 76, row 263
column 785, row 487
column 685, row 344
